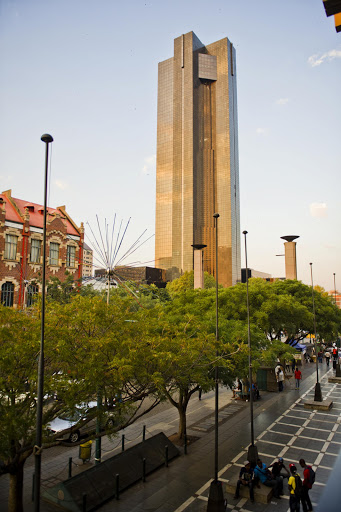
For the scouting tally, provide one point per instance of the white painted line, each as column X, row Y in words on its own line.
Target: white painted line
column 325, row 447
column 272, row 442
column 305, row 449
column 185, row 505
column 238, row 456
column 271, row 456
column 204, row 487
column 283, row 452
column 225, row 468
column 319, row 429
column 318, row 459
column 290, row 424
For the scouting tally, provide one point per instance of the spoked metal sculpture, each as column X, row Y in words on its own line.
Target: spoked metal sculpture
column 111, row 253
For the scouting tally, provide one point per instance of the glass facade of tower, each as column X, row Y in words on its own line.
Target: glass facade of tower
column 197, row 159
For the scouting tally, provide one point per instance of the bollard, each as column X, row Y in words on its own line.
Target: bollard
column 84, row 502
column 144, row 433
column 122, row 442
column 117, row 486
column 166, row 456
column 143, row 470
column 185, row 444
column 70, row 467
column 33, row 479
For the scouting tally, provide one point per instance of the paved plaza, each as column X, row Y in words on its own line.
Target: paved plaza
column 282, row 428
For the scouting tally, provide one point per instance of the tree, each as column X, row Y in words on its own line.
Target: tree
column 186, row 282
column 85, row 344
column 62, row 291
column 179, row 355
column 19, row 351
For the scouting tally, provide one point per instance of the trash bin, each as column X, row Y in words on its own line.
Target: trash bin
column 85, row 451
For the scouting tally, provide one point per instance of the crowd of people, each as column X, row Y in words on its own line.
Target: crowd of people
column 273, row 476
column 242, row 391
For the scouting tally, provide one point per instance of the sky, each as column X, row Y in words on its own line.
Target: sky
column 85, row 71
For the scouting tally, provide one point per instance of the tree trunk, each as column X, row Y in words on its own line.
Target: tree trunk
column 15, row 496
column 182, row 420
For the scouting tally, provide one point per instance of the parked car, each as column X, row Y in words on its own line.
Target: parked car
column 77, row 417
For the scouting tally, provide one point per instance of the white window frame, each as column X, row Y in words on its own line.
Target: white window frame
column 35, row 254
column 11, row 244
column 54, row 249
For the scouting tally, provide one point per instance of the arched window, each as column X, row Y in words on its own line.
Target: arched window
column 7, row 294
column 32, row 290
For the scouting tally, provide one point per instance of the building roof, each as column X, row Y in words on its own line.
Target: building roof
column 86, row 247
column 15, row 211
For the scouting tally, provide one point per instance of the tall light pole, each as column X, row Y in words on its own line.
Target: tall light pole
column 338, row 368
column 318, row 393
column 216, row 501
column 47, row 139
column 252, row 454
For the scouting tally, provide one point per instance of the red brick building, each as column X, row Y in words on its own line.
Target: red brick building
column 21, row 251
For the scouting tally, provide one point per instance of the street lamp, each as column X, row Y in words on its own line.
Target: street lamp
column 338, row 369
column 252, row 454
column 318, row 393
column 216, row 502
column 47, row 139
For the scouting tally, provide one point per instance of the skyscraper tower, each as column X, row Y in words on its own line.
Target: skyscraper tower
column 197, row 171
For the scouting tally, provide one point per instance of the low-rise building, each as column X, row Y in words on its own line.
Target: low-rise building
column 143, row 275
column 88, row 257
column 21, row 251
column 336, row 296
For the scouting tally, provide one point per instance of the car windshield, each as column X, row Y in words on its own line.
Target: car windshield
column 71, row 415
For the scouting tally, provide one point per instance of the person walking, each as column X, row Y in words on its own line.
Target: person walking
column 279, row 377
column 327, row 356
column 308, row 480
column 298, row 377
column 295, row 489
column 245, row 478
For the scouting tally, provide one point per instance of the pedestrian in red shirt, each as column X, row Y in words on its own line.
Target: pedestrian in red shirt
column 298, row 377
column 308, row 480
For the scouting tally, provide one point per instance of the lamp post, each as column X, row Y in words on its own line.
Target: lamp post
column 318, row 393
column 338, row 367
column 47, row 139
column 216, row 502
column 252, row 454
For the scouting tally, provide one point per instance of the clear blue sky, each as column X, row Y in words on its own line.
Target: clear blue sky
column 86, row 72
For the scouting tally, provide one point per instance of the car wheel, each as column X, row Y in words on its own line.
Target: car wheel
column 74, row 437
column 110, row 423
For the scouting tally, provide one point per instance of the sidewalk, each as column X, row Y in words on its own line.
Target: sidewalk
column 282, row 428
